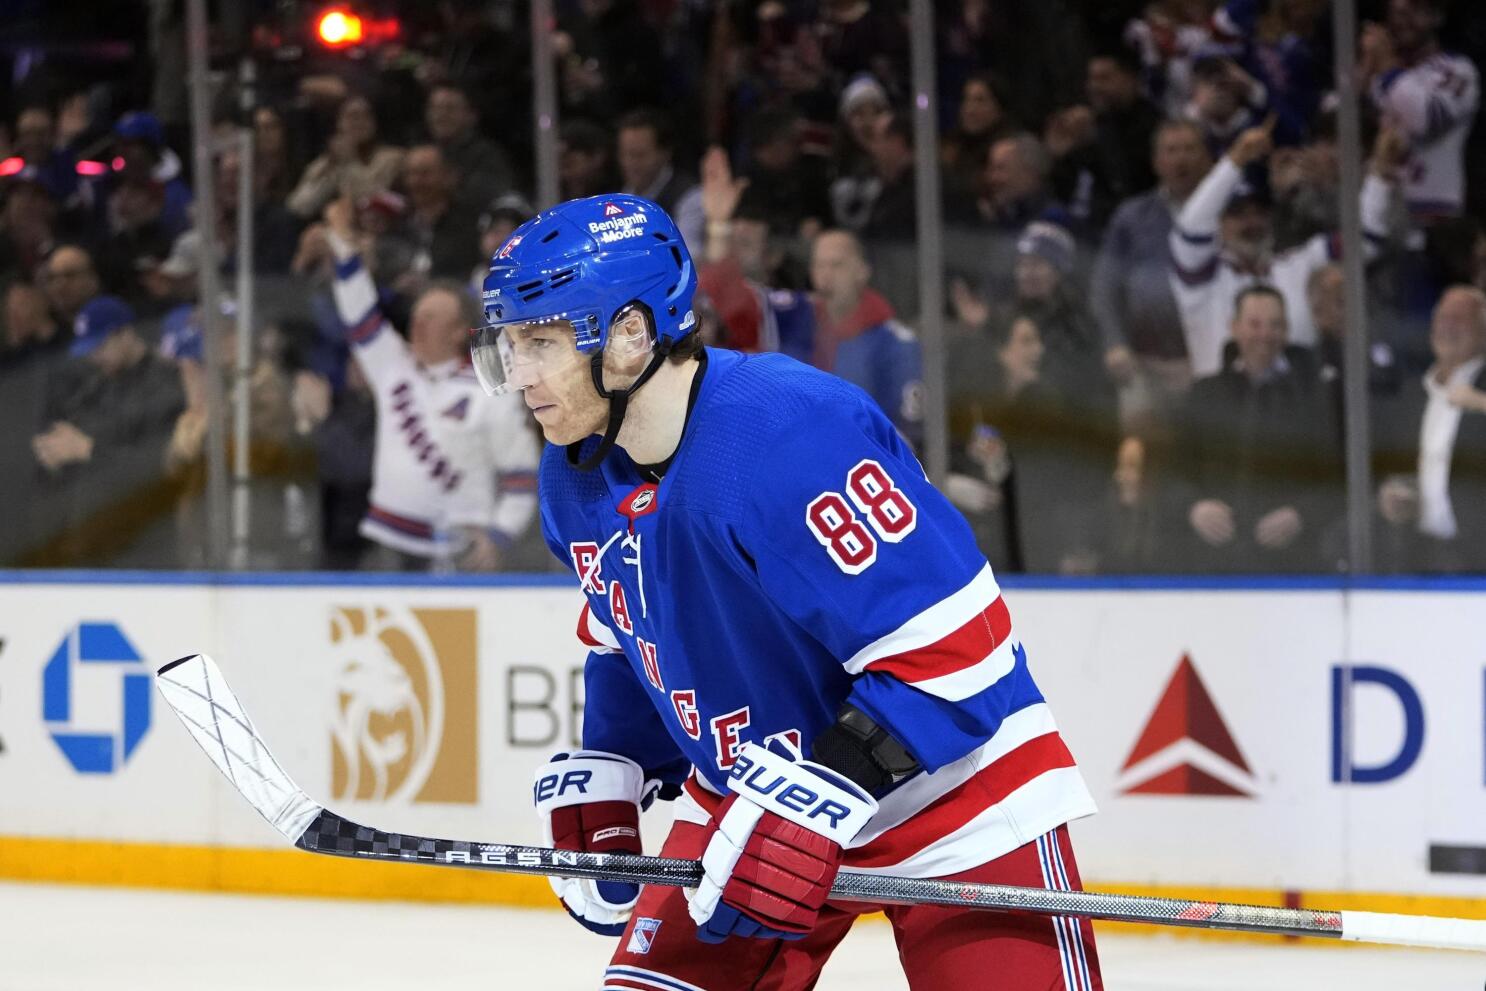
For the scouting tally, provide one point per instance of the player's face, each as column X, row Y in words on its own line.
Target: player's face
column 554, row 380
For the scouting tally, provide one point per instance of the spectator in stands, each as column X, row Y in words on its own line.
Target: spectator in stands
column 1257, row 449
column 608, row 54
column 1016, row 193
column 140, row 143
column 644, row 147
column 32, row 348
column 36, row 145
column 1226, row 101
column 1130, row 293
column 275, row 167
column 1223, row 241
column 70, row 279
column 788, row 189
column 344, row 429
column 1168, row 35
column 1129, row 533
column 1437, row 496
column 1046, row 293
column 854, row 184
column 497, row 222
column 354, row 164
column 480, row 167
column 28, row 223
column 585, row 162
column 1304, row 180
column 104, row 435
column 136, row 241
column 857, row 37
column 1325, row 293
column 455, row 474
column 1427, row 94
column 1100, row 150
column 444, row 230
column 980, row 122
column 894, row 214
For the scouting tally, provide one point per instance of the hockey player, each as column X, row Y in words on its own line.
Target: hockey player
column 786, row 620
column 453, row 478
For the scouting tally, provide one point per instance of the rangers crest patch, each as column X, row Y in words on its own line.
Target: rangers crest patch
column 642, row 937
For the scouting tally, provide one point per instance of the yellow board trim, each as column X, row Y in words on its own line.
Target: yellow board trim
column 289, row 872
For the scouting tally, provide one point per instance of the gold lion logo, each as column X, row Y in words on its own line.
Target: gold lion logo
column 406, row 705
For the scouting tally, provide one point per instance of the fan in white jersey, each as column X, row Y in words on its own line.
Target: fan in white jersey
column 453, row 478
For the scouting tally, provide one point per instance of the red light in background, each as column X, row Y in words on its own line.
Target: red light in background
column 118, row 163
column 338, row 28
column 12, row 165
column 91, row 168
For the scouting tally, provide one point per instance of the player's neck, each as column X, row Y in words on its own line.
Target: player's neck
column 657, row 414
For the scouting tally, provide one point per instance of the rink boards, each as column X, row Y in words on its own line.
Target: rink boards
column 1293, row 741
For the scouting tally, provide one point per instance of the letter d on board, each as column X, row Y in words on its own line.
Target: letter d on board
column 1344, row 731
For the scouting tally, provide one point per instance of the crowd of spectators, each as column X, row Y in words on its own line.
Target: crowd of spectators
column 1141, row 215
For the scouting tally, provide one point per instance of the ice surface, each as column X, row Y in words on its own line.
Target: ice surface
column 64, row 938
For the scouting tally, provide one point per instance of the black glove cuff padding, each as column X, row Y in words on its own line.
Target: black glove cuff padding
column 863, row 751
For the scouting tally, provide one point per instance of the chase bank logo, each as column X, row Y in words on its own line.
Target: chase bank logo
column 95, row 698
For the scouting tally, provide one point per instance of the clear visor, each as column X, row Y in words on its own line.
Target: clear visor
column 512, row 355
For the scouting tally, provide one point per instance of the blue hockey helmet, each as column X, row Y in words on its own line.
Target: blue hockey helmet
column 586, row 262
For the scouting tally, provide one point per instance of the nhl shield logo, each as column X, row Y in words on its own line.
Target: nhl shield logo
column 613, row 210
column 643, row 935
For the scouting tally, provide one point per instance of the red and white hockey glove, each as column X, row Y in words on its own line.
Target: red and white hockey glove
column 590, row 801
column 776, row 845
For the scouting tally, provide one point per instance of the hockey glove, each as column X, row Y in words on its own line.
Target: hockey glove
column 776, row 845
column 590, row 801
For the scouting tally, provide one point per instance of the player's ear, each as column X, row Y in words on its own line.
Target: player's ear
column 630, row 341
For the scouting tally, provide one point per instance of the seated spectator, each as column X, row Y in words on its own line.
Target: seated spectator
column 140, row 143
column 1045, row 292
column 1257, row 449
column 275, row 167
column 1222, row 241
column 1129, row 534
column 1430, row 96
column 585, row 163
column 70, row 280
column 644, row 148
column 1226, row 101
column 104, row 436
column 980, row 122
column 1433, row 494
column 1100, row 150
column 354, row 164
column 28, row 223
column 854, row 184
column 32, row 347
column 455, row 473
column 54, row 168
column 1015, row 468
column 1130, row 292
column 135, row 241
column 480, row 166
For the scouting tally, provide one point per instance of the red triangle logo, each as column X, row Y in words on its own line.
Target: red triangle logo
column 1186, row 711
column 613, row 210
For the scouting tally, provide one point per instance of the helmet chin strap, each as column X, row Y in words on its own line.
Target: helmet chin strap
column 618, row 404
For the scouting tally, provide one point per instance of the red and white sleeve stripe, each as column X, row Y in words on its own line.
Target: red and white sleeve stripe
column 954, row 649
column 595, row 634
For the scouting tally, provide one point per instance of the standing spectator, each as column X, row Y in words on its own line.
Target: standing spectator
column 1100, row 150
column 1427, row 94
column 1226, row 101
column 644, row 149
column 1130, row 294
column 444, row 230
column 481, row 169
column 55, row 168
column 104, row 436
column 1168, row 34
column 788, row 189
column 1257, row 446
column 70, row 279
column 354, row 164
column 1211, row 265
column 1305, row 180
column 136, row 241
column 1016, row 193
column 1045, row 292
column 585, row 160
column 894, row 214
column 854, row 185
column 455, row 471
column 1439, row 491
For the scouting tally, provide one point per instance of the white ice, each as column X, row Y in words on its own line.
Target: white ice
column 65, row 938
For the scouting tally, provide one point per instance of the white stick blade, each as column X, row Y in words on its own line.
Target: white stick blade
column 196, row 690
column 1414, row 930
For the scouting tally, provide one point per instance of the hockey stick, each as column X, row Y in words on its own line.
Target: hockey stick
column 196, row 690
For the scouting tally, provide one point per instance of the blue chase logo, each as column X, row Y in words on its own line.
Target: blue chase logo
column 95, row 698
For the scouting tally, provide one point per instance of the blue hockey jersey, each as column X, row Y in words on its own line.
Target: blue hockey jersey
column 795, row 557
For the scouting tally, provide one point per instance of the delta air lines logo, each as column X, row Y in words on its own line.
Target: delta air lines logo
column 405, row 727
column 1186, row 748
